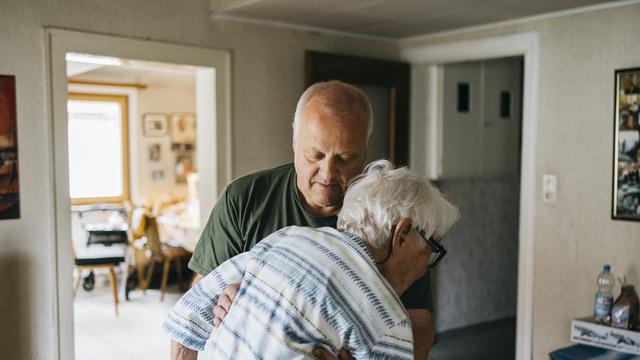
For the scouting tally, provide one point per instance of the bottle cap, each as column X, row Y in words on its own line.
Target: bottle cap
column 607, row 267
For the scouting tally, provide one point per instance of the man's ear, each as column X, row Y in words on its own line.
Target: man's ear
column 402, row 229
column 293, row 140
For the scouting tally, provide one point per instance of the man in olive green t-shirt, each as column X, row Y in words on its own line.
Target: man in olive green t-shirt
column 331, row 129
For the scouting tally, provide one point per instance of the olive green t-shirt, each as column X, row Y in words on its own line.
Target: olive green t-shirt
column 256, row 205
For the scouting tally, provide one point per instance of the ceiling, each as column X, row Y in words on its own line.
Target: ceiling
column 389, row 18
column 110, row 69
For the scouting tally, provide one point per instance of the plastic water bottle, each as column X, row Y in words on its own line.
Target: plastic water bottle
column 604, row 296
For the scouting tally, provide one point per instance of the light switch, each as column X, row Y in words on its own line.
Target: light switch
column 549, row 188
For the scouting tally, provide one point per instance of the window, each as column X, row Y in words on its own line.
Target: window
column 98, row 148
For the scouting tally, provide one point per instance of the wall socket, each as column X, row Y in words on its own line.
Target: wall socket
column 549, row 188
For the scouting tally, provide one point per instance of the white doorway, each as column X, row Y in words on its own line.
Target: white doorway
column 213, row 109
column 428, row 62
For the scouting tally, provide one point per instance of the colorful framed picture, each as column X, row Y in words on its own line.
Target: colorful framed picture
column 626, row 175
column 154, row 124
column 183, row 128
column 9, row 180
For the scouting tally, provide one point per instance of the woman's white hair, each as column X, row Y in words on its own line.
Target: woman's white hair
column 381, row 196
column 340, row 97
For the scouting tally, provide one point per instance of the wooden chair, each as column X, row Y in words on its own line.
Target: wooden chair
column 137, row 241
column 100, row 256
column 163, row 253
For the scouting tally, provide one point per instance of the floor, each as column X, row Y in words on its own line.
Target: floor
column 134, row 334
column 494, row 340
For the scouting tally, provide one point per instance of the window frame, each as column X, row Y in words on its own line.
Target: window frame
column 124, row 106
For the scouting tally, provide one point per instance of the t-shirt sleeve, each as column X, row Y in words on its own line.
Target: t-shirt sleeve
column 396, row 343
column 418, row 295
column 190, row 322
column 221, row 238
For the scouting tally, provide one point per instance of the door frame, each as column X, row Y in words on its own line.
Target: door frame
column 524, row 44
column 213, row 80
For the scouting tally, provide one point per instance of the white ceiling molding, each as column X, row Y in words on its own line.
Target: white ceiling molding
column 305, row 28
column 519, row 21
column 399, row 20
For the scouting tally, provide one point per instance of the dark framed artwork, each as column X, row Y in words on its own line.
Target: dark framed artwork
column 9, row 180
column 626, row 175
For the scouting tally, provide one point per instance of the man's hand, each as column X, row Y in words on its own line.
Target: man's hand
column 224, row 303
column 423, row 334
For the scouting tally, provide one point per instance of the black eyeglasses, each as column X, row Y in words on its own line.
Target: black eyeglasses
column 437, row 250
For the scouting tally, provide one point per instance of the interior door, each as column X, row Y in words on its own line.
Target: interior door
column 387, row 85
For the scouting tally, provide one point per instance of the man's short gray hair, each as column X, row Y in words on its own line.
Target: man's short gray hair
column 381, row 196
column 341, row 98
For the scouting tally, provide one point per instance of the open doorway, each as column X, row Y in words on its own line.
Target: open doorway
column 122, row 199
column 475, row 290
column 428, row 64
column 130, row 107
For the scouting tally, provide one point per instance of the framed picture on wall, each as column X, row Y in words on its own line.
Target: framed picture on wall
column 183, row 128
column 154, row 124
column 9, row 181
column 626, row 162
column 184, row 166
column 154, row 152
column 157, row 175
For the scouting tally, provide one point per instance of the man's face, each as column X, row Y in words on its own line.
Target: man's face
column 328, row 152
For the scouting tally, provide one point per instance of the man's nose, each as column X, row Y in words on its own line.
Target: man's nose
column 328, row 169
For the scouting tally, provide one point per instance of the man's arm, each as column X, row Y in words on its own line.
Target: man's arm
column 423, row 334
column 190, row 323
column 179, row 351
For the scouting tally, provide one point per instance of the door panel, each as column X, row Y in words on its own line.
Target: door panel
column 503, row 83
column 461, row 140
column 380, row 102
column 380, row 79
column 481, row 137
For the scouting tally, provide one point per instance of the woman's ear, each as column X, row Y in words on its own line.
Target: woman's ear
column 402, row 228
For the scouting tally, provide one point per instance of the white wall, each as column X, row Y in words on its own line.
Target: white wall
column 574, row 236
column 268, row 68
column 170, row 94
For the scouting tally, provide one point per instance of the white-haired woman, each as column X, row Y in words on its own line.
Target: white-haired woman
column 304, row 289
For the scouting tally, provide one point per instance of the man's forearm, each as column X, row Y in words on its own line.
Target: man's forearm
column 423, row 334
column 181, row 352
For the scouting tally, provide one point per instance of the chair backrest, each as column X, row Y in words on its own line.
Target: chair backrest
column 152, row 234
column 138, row 223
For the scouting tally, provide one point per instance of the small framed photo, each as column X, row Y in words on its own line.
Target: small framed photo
column 183, row 167
column 626, row 172
column 183, row 128
column 154, row 124
column 157, row 175
column 154, row 152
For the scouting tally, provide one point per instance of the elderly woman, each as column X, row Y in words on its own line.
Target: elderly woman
column 303, row 288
